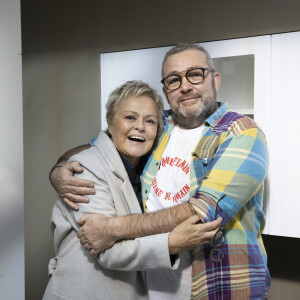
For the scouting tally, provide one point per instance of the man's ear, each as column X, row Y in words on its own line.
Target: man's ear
column 217, row 80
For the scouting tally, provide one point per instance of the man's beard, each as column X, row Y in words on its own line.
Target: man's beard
column 194, row 118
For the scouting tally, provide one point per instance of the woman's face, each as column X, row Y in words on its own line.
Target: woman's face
column 134, row 126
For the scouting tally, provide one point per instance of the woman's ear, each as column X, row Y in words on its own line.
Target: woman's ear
column 108, row 129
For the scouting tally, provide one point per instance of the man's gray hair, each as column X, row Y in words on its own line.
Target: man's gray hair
column 188, row 46
column 134, row 88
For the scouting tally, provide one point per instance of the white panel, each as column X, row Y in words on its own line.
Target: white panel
column 145, row 64
column 12, row 281
column 284, row 172
column 118, row 67
column 260, row 47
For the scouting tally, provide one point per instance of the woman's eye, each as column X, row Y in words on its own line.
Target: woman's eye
column 151, row 121
column 129, row 117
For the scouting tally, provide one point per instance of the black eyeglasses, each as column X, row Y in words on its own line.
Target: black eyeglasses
column 194, row 76
column 216, row 254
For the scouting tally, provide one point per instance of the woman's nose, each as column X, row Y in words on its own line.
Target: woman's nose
column 140, row 125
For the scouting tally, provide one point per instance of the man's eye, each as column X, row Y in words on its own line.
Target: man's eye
column 173, row 80
column 195, row 74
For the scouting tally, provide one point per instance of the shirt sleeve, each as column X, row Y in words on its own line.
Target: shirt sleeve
column 91, row 142
column 234, row 175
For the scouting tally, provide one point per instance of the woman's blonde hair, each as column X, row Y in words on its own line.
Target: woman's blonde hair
column 134, row 88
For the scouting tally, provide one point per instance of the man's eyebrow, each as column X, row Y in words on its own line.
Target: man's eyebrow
column 176, row 72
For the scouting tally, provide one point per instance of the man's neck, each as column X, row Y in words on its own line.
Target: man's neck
column 190, row 122
column 185, row 127
column 194, row 122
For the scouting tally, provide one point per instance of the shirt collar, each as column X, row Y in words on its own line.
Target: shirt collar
column 210, row 121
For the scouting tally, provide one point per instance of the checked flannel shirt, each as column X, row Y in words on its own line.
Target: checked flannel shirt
column 230, row 160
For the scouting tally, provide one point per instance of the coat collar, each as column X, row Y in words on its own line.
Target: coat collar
column 104, row 144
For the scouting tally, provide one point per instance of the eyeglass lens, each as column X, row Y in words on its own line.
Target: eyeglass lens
column 194, row 76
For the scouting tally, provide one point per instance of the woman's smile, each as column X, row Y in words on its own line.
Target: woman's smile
column 134, row 127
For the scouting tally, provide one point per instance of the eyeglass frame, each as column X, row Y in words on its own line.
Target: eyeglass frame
column 184, row 74
column 216, row 248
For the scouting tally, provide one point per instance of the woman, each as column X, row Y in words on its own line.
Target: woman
column 134, row 117
column 114, row 164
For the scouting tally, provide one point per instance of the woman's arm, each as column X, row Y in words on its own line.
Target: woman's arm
column 129, row 255
column 143, row 253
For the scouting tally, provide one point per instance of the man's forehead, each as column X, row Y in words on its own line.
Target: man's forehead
column 184, row 60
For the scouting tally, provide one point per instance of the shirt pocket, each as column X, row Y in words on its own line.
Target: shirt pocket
column 207, row 147
column 206, row 151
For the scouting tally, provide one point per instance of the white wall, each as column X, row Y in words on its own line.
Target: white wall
column 11, row 158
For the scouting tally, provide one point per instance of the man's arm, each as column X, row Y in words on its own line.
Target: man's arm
column 69, row 188
column 247, row 149
column 101, row 232
column 237, row 172
column 144, row 252
column 152, row 252
column 66, row 156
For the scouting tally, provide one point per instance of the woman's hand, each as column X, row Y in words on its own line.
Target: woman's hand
column 191, row 234
column 95, row 234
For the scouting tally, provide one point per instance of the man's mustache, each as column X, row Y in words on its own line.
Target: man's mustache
column 188, row 96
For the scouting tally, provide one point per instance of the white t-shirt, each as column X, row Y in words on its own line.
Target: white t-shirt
column 171, row 187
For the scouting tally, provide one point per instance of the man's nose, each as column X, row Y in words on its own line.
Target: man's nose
column 185, row 86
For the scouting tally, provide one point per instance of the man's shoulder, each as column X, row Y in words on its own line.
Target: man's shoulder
column 235, row 123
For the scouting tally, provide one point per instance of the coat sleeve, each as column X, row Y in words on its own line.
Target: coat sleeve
column 144, row 253
column 236, row 172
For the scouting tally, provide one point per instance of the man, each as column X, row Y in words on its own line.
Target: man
column 209, row 162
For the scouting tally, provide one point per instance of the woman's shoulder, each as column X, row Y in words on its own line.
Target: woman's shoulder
column 101, row 157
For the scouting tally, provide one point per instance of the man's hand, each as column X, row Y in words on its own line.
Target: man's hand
column 189, row 234
column 69, row 188
column 95, row 234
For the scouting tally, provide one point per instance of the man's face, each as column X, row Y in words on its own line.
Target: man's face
column 191, row 103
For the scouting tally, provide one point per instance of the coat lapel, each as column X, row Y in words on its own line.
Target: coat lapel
column 112, row 157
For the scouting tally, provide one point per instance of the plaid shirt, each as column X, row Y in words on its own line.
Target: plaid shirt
column 230, row 160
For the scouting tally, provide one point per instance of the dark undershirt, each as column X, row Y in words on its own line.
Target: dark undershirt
column 134, row 174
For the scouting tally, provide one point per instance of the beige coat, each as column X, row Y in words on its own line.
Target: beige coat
column 118, row 271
